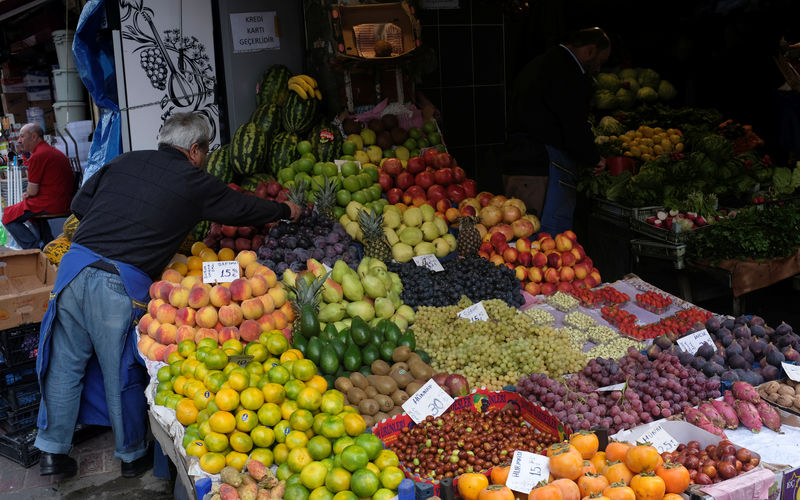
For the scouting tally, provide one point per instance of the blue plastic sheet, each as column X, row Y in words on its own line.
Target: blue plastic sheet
column 94, row 59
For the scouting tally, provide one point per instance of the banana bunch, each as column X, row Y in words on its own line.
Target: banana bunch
column 305, row 86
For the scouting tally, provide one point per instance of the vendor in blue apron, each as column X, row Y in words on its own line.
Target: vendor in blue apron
column 134, row 214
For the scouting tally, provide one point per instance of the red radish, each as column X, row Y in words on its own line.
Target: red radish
column 662, row 215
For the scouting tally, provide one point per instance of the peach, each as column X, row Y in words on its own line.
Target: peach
column 246, row 257
column 551, row 275
column 521, row 272
column 198, row 297
column 152, row 328
column 590, row 281
column 249, row 330
column 567, row 259
column 288, row 310
column 595, row 274
column 269, row 275
column 451, row 214
column 581, row 271
column 240, row 289
column 190, row 281
column 548, row 288
column 566, row 274
column 523, row 245
column 205, row 333
column 252, row 268
column 280, row 319
column 501, row 248
column 484, row 255
column 230, row 315
column 167, row 333
column 581, row 252
column 164, row 289
column 564, row 287
column 218, row 326
column 267, row 302
column 589, row 264
column 185, row 316
column 510, row 254
column 179, row 297
column 486, row 247
column 547, row 244
column 578, row 283
column 219, row 296
column 533, row 288
column 184, row 332
column 228, row 333
column 535, row 274
column 206, row 317
column 569, row 233
column 166, row 313
column 156, row 351
column 575, row 253
column 171, row 275
column 497, row 259
column 169, row 350
column 154, row 289
column 563, row 244
column 144, row 322
column 554, row 259
column 539, row 259
column 252, row 308
column 258, row 285
column 278, row 295
column 153, row 305
column 468, row 210
column 266, row 322
column 144, row 344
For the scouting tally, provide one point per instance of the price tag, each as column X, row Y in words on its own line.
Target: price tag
column 660, row 439
column 430, row 399
column 339, row 163
column 527, row 470
column 428, row 261
column 241, row 359
column 328, row 269
column 792, row 371
column 691, row 343
column 615, row 387
column 475, row 312
column 223, row 271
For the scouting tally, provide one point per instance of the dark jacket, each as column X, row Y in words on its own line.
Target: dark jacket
column 550, row 101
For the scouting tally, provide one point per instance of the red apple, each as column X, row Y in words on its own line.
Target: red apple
column 404, row 180
column 392, row 166
column 548, row 288
column 510, row 255
column 455, row 192
column 444, row 176
column 524, row 257
column 436, row 193
column 385, row 180
column 564, row 287
column 273, row 188
column 424, row 179
column 415, row 165
column 442, row 160
column 429, row 156
column 554, row 260
column 468, row 210
column 539, row 259
column 459, row 175
column 470, row 187
column 394, row 195
column 415, row 192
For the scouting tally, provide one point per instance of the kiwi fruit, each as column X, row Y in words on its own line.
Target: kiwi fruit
column 375, row 125
column 351, row 126
column 389, row 121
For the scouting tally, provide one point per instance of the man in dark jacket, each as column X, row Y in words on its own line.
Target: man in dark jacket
column 551, row 98
column 134, row 213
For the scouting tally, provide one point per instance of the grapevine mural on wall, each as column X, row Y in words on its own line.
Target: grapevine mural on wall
column 174, row 62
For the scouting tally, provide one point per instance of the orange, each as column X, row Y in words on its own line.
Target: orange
column 251, row 398
column 364, row 483
column 216, row 441
column 313, row 475
column 196, row 448
column 338, row 479
column 179, row 266
column 236, row 459
column 246, row 420
column 179, row 383
column 212, row 462
column 309, row 399
column 321, row 493
column 269, row 414
column 301, row 419
column 259, row 353
column 192, row 387
column 333, row 427
column 227, row 399
column 296, row 439
column 354, row 424
column 254, row 367
column 203, row 415
column 354, row 457
column 222, row 422
column 304, row 369
column 391, row 477
column 239, row 380
column 298, row 458
column 281, row 429
column 319, row 447
column 216, row 359
column 278, row 374
column 241, row 442
column 207, row 342
column 277, row 344
column 173, row 357
column 188, row 367
column 186, row 411
column 201, row 371
column 175, row 367
column 288, row 364
column 263, row 436
column 201, row 398
column 385, row 459
column 214, row 380
column 263, row 455
column 291, row 354
column 163, row 374
column 173, row 400
column 332, row 402
column 293, row 388
column 208, row 255
column 287, row 408
column 229, row 368
column 225, row 254
column 186, row 347
column 280, row 453
column 234, row 344
column 318, row 382
column 197, row 247
column 203, row 429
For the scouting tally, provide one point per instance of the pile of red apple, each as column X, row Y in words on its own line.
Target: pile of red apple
column 433, row 177
column 544, row 265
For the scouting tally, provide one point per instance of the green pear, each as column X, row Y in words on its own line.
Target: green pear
column 373, row 263
column 441, row 225
column 290, row 277
column 339, row 268
column 400, row 321
column 362, row 309
column 402, row 252
column 332, row 291
column 332, row 312
column 397, row 284
column 391, row 236
column 428, row 212
column 383, row 274
column 373, row 286
column 340, row 325
column 429, row 231
column 406, row 312
column 351, row 287
column 395, row 298
column 424, row 248
column 363, row 267
column 442, row 247
column 410, row 235
column 352, row 210
column 384, row 307
column 375, row 321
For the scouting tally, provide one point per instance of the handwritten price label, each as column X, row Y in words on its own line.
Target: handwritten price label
column 328, row 269
column 428, row 261
column 527, row 470
column 691, row 343
column 223, row 271
column 475, row 312
column 430, row 399
column 615, row 387
column 660, row 439
column 792, row 371
column 240, row 359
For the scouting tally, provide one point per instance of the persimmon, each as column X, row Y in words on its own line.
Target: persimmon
column 496, row 492
column 672, row 496
column 588, row 468
column 642, row 458
column 499, row 473
column 569, row 489
column 648, row 486
column 616, row 450
column 595, row 496
column 676, row 477
column 586, row 442
column 545, row 492
column 619, row 491
column 592, row 483
column 618, row 472
column 567, row 463
column 470, row 485
column 599, row 461
column 556, row 447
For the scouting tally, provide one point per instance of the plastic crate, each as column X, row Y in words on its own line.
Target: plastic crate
column 617, row 211
column 20, row 344
column 639, row 225
column 20, row 420
column 22, row 396
column 658, row 250
column 22, row 374
column 18, row 448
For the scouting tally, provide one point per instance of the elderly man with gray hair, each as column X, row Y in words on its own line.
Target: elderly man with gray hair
column 134, row 214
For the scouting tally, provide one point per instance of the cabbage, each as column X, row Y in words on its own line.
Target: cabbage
column 605, row 99
column 647, row 94
column 649, row 78
column 609, row 126
column 628, row 74
column 608, row 81
column 666, row 90
column 625, row 98
column 630, row 84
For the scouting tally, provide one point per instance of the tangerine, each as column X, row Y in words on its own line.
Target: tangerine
column 251, row 398
column 263, row 455
column 222, row 422
column 196, row 448
column 212, row 462
column 236, row 459
column 216, row 441
column 304, row 369
column 309, row 399
column 227, row 399
column 241, row 442
column 263, row 436
column 269, row 414
column 186, row 411
column 246, row 420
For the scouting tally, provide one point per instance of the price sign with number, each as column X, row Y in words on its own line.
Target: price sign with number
column 223, row 271
column 692, row 342
column 615, row 387
column 428, row 261
column 430, row 399
column 475, row 312
column 660, row 439
column 792, row 371
column 527, row 470
column 240, row 359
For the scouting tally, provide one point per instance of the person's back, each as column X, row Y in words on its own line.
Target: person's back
column 56, row 180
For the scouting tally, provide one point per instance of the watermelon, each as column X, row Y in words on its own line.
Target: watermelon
column 200, row 231
column 249, row 147
column 273, row 86
column 268, row 116
column 298, row 114
column 250, row 183
column 218, row 164
column 326, row 142
column 282, row 151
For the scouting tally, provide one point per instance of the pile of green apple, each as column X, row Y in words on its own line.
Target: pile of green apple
column 384, row 139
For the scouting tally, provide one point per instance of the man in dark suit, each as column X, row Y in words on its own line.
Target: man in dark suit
column 550, row 99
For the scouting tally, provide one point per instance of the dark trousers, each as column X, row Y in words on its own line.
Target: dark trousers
column 23, row 235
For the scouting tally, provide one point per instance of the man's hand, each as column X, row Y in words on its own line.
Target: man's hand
column 24, row 196
column 601, row 165
column 295, row 210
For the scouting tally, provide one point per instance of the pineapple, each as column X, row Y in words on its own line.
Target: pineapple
column 375, row 243
column 326, row 199
column 297, row 194
column 469, row 239
column 305, row 295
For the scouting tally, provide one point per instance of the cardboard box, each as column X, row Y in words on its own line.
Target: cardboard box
column 39, row 94
column 26, row 280
column 16, row 84
column 478, row 401
column 15, row 103
column 361, row 26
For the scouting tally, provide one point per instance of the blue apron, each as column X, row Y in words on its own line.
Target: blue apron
column 134, row 377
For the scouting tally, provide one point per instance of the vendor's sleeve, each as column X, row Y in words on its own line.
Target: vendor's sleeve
column 35, row 170
column 227, row 206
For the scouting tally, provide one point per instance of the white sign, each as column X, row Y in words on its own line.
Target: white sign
column 430, row 399
column 792, row 371
column 254, row 31
column 660, row 439
column 691, row 343
column 615, row 387
column 527, row 470
column 221, row 271
column 428, row 261
column 475, row 312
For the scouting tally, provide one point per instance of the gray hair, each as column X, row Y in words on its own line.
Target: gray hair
column 181, row 130
column 34, row 128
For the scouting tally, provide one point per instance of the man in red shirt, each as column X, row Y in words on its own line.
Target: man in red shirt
column 51, row 185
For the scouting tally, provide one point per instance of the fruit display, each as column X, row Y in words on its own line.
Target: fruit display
column 304, row 86
column 182, row 307
column 473, row 277
column 630, row 86
column 647, row 143
column 471, row 348
column 385, row 137
column 545, row 265
column 714, row 463
column 743, row 137
column 784, row 394
column 675, row 325
column 257, row 481
column 654, row 302
column 433, row 177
